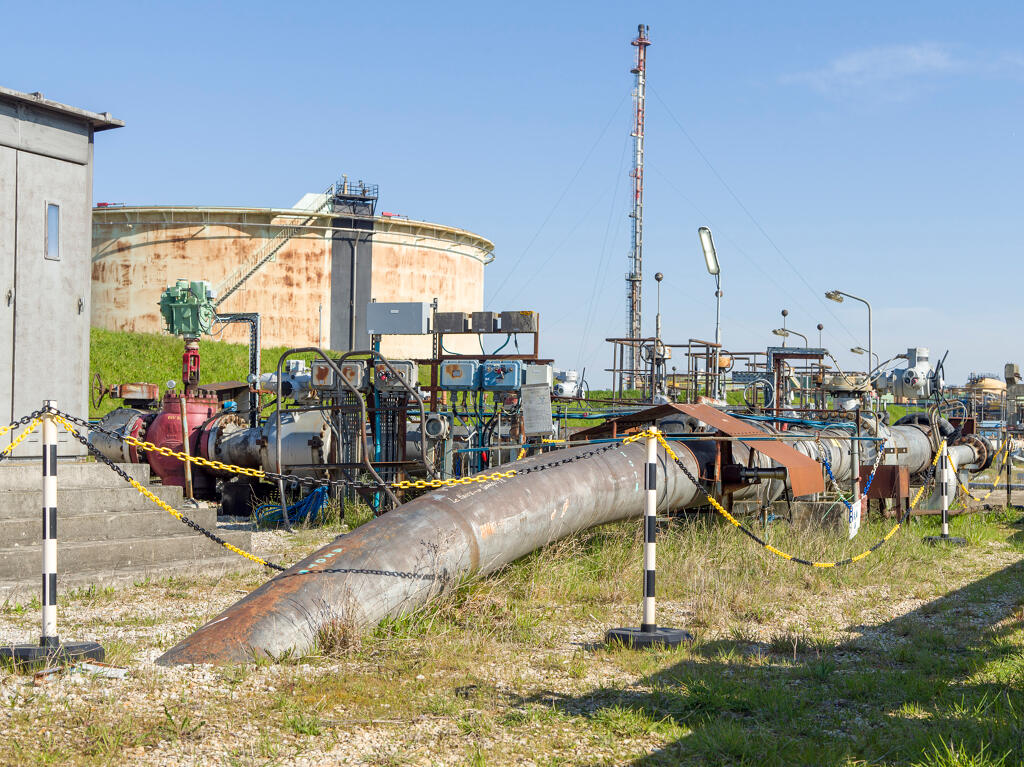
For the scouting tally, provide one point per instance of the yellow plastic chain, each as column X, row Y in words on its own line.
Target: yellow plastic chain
column 1006, row 456
column 406, row 484
column 149, row 447
column 21, row 437
column 789, row 557
column 145, row 491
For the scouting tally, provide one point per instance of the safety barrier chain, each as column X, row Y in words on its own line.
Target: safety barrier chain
column 1006, row 456
column 68, row 420
column 789, row 557
column 145, row 491
column 405, row 484
column 30, row 421
column 867, row 485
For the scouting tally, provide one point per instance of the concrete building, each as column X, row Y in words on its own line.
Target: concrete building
column 46, row 151
column 309, row 270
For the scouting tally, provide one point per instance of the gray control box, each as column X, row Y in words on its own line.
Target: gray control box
column 408, row 318
column 519, row 322
column 451, row 322
column 484, row 322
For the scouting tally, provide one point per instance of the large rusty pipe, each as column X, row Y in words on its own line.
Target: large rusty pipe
column 397, row 562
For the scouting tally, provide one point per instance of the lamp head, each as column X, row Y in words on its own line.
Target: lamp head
column 857, row 350
column 834, row 295
column 659, row 276
column 820, row 327
column 710, row 257
column 781, row 332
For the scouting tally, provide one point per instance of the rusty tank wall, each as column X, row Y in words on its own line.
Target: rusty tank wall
column 415, row 261
column 137, row 252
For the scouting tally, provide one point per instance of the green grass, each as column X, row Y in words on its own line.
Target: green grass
column 913, row 657
column 120, row 357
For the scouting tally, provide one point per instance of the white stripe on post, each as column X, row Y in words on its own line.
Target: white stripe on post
column 49, row 600
column 649, row 622
column 944, row 480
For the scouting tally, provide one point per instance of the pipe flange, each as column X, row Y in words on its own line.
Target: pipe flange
column 981, row 446
column 220, row 428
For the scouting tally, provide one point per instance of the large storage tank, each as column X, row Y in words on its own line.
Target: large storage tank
column 330, row 256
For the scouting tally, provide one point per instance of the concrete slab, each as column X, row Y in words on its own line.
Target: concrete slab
column 103, row 526
column 26, row 504
column 22, row 563
column 27, row 474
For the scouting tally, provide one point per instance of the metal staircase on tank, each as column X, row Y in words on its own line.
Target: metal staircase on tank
column 265, row 254
column 107, row 532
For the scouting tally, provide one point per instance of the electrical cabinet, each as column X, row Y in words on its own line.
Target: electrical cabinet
column 321, row 375
column 501, row 375
column 537, row 374
column 355, row 372
column 460, row 375
column 519, row 322
column 484, row 322
column 385, row 380
column 451, row 322
column 404, row 318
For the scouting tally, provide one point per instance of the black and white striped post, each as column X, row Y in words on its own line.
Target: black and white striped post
column 945, row 481
column 649, row 633
column 49, row 637
column 50, row 647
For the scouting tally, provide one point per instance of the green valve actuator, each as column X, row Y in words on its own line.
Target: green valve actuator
column 187, row 308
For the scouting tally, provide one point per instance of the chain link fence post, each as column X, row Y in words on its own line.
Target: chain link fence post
column 649, row 633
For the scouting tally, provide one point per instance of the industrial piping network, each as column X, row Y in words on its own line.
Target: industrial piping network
column 398, row 562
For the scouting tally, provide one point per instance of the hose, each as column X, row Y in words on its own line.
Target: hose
column 304, row 509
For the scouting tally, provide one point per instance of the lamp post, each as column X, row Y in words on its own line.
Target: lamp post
column 711, row 259
column 785, row 333
column 837, row 296
column 862, row 350
column 658, row 361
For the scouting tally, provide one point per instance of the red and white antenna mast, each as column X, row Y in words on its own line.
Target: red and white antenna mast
column 635, row 276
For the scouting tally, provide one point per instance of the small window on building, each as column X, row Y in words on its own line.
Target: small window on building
column 52, row 231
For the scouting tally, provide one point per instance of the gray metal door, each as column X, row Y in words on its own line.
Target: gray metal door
column 8, row 210
column 52, row 273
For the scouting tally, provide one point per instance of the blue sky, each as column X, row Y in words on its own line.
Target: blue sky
column 875, row 148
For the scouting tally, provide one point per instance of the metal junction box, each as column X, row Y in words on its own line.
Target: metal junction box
column 538, row 374
column 408, row 318
column 451, row 322
column 321, row 375
column 501, row 375
column 355, row 372
column 519, row 322
column 460, row 375
column 384, row 380
column 484, row 322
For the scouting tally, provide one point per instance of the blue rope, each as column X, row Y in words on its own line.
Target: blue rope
column 867, row 485
column 304, row 509
column 796, row 421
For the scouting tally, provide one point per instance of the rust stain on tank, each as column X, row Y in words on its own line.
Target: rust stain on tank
column 164, row 244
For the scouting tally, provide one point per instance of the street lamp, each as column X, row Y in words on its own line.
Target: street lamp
column 658, row 277
column 785, row 333
column 862, row 350
column 820, row 328
column 837, row 296
column 714, row 269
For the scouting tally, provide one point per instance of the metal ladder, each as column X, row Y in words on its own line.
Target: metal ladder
column 270, row 249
